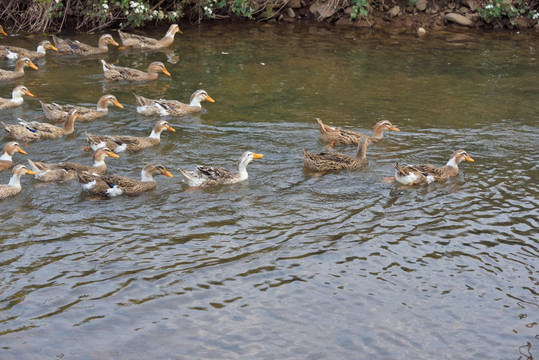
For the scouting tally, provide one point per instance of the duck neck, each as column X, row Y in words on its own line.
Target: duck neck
column 16, row 97
column 103, row 44
column 452, row 162
column 6, row 156
column 40, row 49
column 102, row 106
column 99, row 161
column 362, row 148
column 156, row 134
column 241, row 167
column 378, row 132
column 195, row 101
column 146, row 176
column 69, row 125
column 19, row 68
column 15, row 180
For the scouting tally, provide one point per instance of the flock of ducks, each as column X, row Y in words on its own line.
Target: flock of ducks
column 94, row 179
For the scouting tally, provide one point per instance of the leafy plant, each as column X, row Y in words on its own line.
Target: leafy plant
column 359, row 8
column 498, row 9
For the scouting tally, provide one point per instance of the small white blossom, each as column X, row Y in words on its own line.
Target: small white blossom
column 154, row 13
column 536, row 16
column 105, row 6
column 489, row 6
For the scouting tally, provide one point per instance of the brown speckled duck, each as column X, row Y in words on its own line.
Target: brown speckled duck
column 73, row 47
column 6, row 157
column 66, row 171
column 16, row 97
column 14, row 185
column 18, row 71
column 211, row 175
column 14, row 53
column 424, row 174
column 161, row 107
column 35, row 130
column 113, row 185
column 58, row 112
column 121, row 73
column 333, row 161
column 137, row 41
column 119, row 143
column 345, row 137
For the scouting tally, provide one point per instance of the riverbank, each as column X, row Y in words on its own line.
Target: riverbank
column 433, row 15
column 407, row 15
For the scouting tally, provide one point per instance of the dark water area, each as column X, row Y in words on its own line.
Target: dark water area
column 287, row 265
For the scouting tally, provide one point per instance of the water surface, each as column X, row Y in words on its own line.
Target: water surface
column 287, row 264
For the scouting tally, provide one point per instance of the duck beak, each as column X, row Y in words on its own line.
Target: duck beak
column 166, row 173
column 29, row 93
column 468, row 158
column 114, row 43
column 166, row 72
column 394, row 128
column 257, row 156
column 179, row 31
column 116, row 103
column 170, row 128
column 113, row 154
column 3, row 32
column 208, row 98
column 52, row 47
column 33, row 66
column 22, row 151
column 30, row 172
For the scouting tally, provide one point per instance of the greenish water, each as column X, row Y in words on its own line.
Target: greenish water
column 287, row 264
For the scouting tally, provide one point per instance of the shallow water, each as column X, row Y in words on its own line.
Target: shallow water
column 287, row 264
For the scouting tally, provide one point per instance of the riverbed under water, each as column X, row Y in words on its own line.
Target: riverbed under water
column 288, row 264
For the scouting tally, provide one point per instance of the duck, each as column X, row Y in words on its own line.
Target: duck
column 14, row 185
column 74, row 47
column 345, row 137
column 333, row 161
column 66, row 171
column 108, row 186
column 161, row 107
column 120, row 73
column 120, row 143
column 13, row 52
column 137, row 41
column 16, row 97
column 424, row 174
column 58, row 112
column 2, row 31
column 18, row 71
column 210, row 175
column 35, row 130
column 6, row 157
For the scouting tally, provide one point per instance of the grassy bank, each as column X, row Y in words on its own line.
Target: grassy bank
column 35, row 16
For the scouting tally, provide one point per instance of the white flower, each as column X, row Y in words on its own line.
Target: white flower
column 535, row 16
column 174, row 14
column 489, row 6
column 154, row 13
column 105, row 6
column 57, row 1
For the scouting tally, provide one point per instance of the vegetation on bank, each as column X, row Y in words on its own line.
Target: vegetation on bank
column 93, row 15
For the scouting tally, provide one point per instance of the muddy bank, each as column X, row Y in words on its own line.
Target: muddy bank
column 430, row 15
